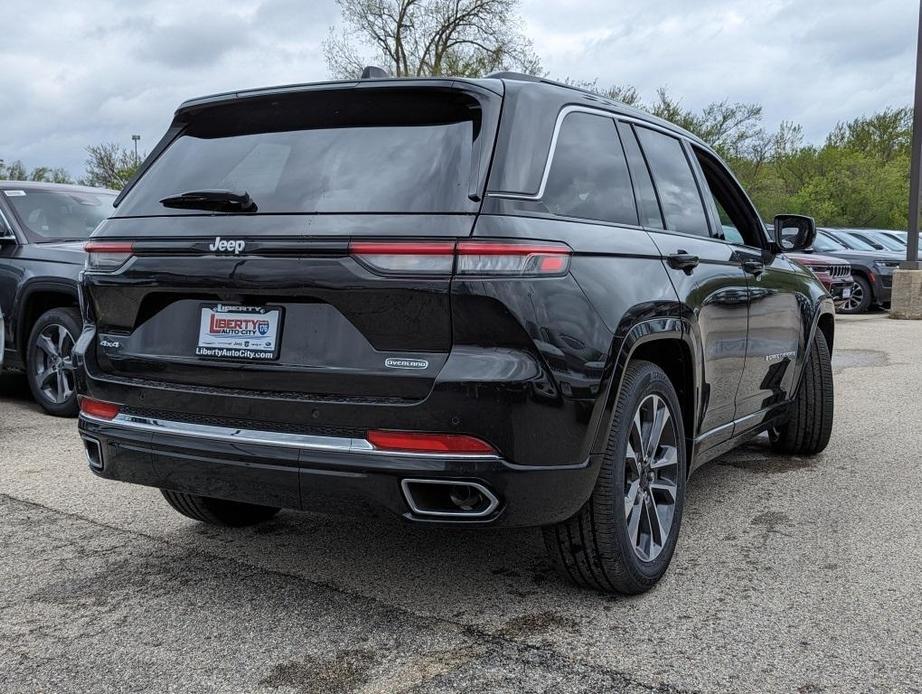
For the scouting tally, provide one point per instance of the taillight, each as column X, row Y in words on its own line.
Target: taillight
column 421, row 442
column 480, row 257
column 98, row 408
column 510, row 258
column 107, row 256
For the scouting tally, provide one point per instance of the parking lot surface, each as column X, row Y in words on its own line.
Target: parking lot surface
column 790, row 575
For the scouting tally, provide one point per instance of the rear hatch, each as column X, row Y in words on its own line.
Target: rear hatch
column 255, row 252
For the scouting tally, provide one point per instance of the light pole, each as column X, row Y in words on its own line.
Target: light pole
column 915, row 180
column 136, row 138
column 906, row 301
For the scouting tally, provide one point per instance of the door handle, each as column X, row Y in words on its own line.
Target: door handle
column 754, row 267
column 681, row 260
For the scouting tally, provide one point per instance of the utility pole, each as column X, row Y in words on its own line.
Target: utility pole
column 137, row 159
column 915, row 179
column 906, row 301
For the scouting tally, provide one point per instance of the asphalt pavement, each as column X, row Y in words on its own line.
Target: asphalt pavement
column 791, row 575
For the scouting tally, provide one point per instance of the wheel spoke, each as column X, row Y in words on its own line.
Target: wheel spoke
column 62, row 335
column 669, row 458
column 45, row 344
column 63, row 388
column 656, row 528
column 630, row 498
column 633, row 525
column 660, row 419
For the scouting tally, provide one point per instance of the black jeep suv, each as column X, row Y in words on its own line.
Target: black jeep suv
column 43, row 227
column 473, row 302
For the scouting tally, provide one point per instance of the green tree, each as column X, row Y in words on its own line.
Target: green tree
column 430, row 37
column 110, row 165
column 16, row 171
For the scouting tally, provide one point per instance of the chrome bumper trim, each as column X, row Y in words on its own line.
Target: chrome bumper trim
column 305, row 442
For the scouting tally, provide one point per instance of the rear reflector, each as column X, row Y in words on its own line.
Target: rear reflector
column 480, row 257
column 98, row 408
column 106, row 256
column 418, row 442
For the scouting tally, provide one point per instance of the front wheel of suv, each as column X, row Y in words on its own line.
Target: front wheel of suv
column 623, row 538
column 49, row 363
column 808, row 425
column 234, row 514
column 860, row 299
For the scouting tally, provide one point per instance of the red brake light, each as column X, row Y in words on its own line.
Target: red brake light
column 419, row 442
column 98, row 408
column 474, row 257
column 108, row 247
column 401, row 257
column 510, row 258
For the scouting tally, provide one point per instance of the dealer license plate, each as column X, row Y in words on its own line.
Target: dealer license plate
column 250, row 333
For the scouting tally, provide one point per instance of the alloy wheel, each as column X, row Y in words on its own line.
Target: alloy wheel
column 52, row 363
column 853, row 302
column 651, row 469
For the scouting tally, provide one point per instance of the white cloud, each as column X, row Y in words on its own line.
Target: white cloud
column 74, row 74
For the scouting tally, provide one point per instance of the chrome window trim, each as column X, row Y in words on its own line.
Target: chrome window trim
column 305, row 442
column 564, row 112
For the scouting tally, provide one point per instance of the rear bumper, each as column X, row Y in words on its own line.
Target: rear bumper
column 324, row 473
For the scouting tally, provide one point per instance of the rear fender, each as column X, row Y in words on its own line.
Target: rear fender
column 635, row 335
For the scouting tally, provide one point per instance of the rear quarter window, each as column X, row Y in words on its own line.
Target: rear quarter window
column 682, row 206
column 588, row 178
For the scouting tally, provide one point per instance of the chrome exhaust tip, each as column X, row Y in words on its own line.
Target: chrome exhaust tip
column 448, row 498
column 93, row 451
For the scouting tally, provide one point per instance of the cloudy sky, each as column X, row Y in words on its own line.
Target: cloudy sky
column 74, row 74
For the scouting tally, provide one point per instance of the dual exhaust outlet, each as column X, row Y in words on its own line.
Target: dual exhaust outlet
column 448, row 498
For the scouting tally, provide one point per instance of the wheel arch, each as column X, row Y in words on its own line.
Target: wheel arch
column 823, row 321
column 668, row 343
column 36, row 299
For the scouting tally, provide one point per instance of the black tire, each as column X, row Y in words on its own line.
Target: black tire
column 808, row 425
column 593, row 548
column 49, row 365
column 861, row 297
column 234, row 514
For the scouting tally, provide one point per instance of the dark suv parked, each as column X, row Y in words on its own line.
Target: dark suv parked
column 471, row 302
column 872, row 269
column 43, row 227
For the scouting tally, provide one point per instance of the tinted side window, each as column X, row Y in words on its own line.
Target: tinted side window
column 678, row 191
column 647, row 204
column 588, row 177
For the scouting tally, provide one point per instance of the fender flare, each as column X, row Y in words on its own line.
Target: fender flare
column 640, row 333
column 824, row 307
column 58, row 286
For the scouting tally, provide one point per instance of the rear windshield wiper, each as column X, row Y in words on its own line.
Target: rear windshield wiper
column 219, row 200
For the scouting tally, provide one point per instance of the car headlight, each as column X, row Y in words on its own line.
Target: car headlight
column 886, row 266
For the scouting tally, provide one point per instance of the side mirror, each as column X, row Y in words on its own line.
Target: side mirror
column 794, row 232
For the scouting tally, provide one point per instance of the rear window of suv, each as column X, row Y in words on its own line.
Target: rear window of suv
column 356, row 151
